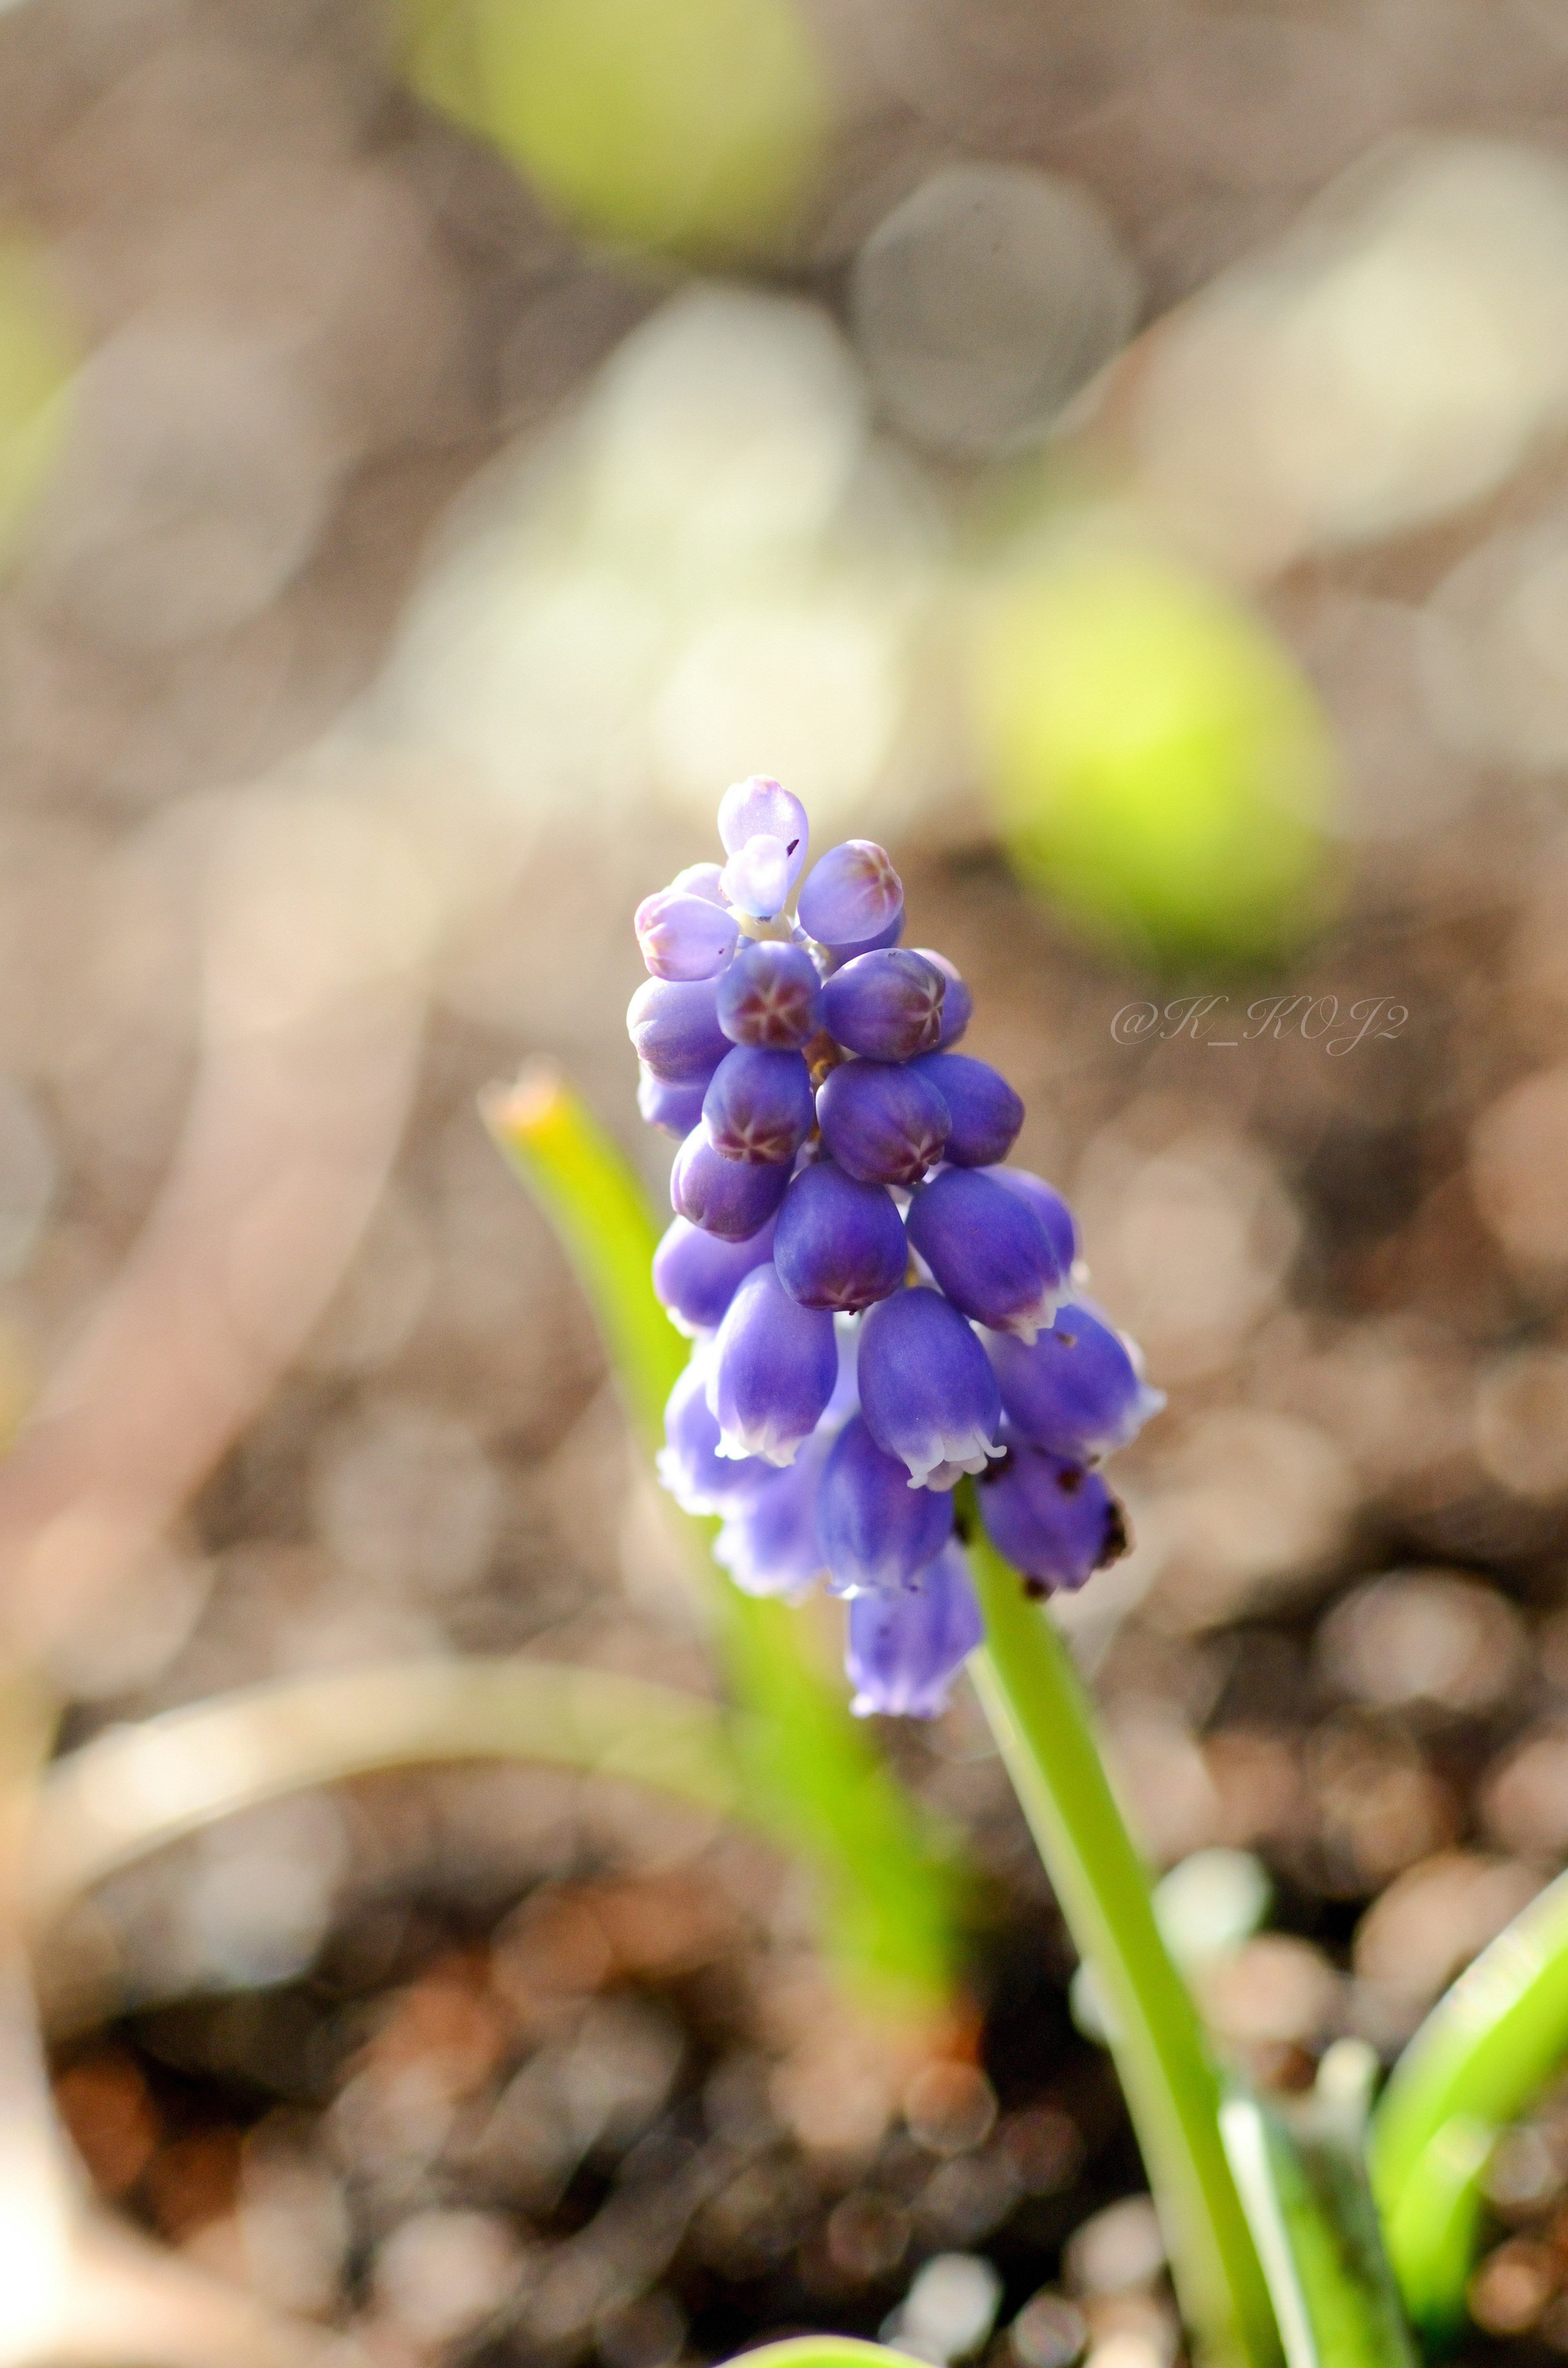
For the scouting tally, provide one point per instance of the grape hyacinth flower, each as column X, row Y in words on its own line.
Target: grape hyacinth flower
column 879, row 1308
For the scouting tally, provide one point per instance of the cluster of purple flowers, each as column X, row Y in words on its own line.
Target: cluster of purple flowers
column 876, row 1304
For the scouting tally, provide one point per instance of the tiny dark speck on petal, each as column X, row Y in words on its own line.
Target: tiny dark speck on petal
column 793, row 845
column 1036, row 1589
column 1118, row 1535
column 1069, row 1481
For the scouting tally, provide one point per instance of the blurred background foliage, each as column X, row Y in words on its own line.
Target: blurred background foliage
column 1117, row 455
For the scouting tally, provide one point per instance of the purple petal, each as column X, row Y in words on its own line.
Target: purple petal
column 1055, row 1216
column 985, row 1111
column 1054, row 1522
column 771, row 996
column 758, row 1107
column 696, row 1275
column 674, row 1025
column 852, row 897
column 878, row 1533
column 769, row 1543
column 839, row 1244
column 732, row 1198
column 883, row 1121
column 689, row 1465
column 903, row 1651
column 774, row 1368
column 887, row 1004
column 701, row 879
column 756, row 878
column 1078, row 1391
column 676, row 1108
column 927, row 1390
column 987, row 1250
column 958, row 1004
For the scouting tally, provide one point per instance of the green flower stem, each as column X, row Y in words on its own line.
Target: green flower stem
column 1042, row 1722
column 892, row 1895
column 1488, row 2045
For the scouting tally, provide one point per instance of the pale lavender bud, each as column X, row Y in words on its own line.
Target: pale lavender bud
column 757, row 876
column 769, row 1543
column 674, row 1025
column 701, row 879
column 684, row 937
column 761, row 808
column 689, row 1465
column 675, row 1108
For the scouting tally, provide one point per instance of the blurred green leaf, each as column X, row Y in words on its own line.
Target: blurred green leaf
column 38, row 354
column 1153, row 759
column 689, row 127
column 891, row 1890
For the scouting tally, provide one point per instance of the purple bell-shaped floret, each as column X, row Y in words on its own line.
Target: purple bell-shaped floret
column 902, row 1652
column 732, row 1198
column 766, row 837
column 987, row 1250
column 957, row 1003
column 696, row 1275
column 1078, row 1391
column 674, row 1024
column 878, row 1533
column 883, row 1121
column 1056, row 1218
column 926, row 1389
column 887, row 1006
column 758, row 1106
column 769, row 1543
column 689, row 1465
column 674, row 1109
column 839, row 1244
column 1057, row 1522
column 770, row 995
column 774, row 1366
column 984, row 1112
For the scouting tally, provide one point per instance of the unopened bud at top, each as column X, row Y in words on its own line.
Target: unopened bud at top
column 853, row 894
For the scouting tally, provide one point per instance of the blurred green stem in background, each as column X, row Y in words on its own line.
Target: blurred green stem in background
column 892, row 1893
column 38, row 354
column 1043, row 1726
column 1490, row 2043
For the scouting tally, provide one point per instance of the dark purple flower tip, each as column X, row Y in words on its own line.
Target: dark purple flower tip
column 674, row 1024
column 758, row 1107
column 1078, row 1391
column 987, row 1250
column 1055, row 1521
column 761, row 808
column 732, row 1198
column 676, row 1108
column 926, row 1389
column 878, row 1533
column 958, row 1004
column 769, row 1543
column 1055, row 1216
column 853, row 897
column 689, row 1465
column 684, row 937
column 882, row 1121
column 839, row 1244
column 902, row 1652
column 774, row 1368
column 887, row 1006
column 985, row 1112
column 770, row 995
column 696, row 1275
